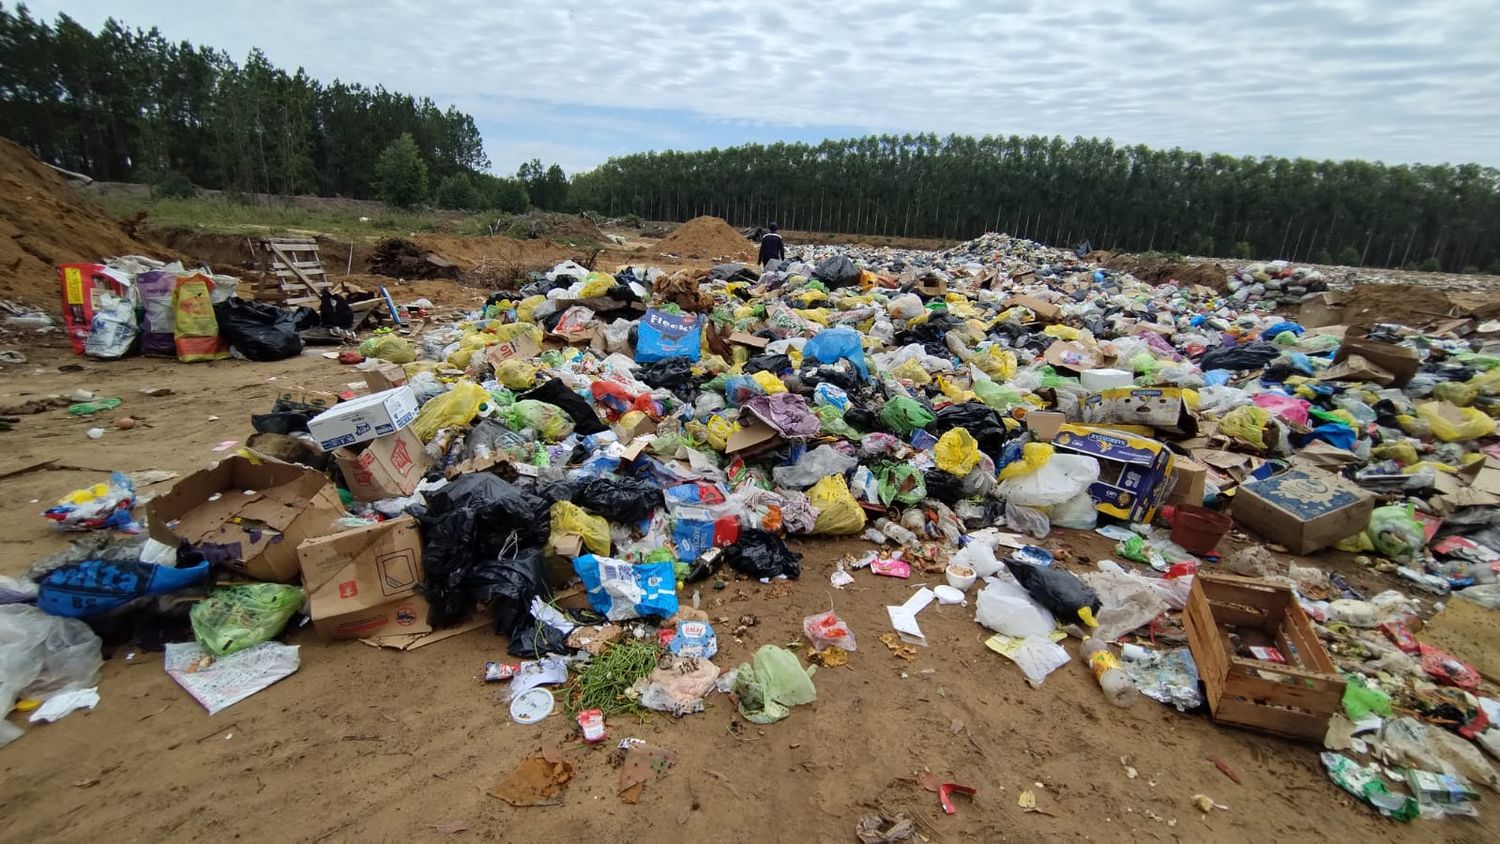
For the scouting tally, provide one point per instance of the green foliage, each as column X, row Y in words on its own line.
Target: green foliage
column 401, row 174
column 1470, row 270
column 457, row 192
column 1430, row 265
column 507, row 196
column 173, row 185
column 1241, row 250
column 546, row 186
column 1322, row 256
column 1349, row 256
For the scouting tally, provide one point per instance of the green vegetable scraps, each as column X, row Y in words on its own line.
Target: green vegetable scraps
column 602, row 682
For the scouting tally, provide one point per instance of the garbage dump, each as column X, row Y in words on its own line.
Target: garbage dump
column 572, row 464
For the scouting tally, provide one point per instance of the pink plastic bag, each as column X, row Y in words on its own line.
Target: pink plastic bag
column 828, row 631
column 1288, row 408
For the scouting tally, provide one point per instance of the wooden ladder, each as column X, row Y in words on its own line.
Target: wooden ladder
column 291, row 273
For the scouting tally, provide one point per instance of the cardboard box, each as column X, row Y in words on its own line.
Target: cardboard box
column 364, row 419
column 248, row 516
column 1134, row 471
column 313, row 401
column 387, row 467
column 1321, row 309
column 1191, row 482
column 931, row 288
column 749, row 340
column 385, row 376
column 753, row 439
column 1400, row 361
column 1045, row 423
column 1303, row 509
column 522, row 347
column 1073, row 355
column 1161, row 408
column 1044, row 310
column 363, row 582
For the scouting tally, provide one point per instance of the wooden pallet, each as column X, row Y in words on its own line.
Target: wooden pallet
column 291, row 273
column 1293, row 700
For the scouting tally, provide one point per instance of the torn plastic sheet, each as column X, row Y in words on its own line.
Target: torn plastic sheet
column 1169, row 676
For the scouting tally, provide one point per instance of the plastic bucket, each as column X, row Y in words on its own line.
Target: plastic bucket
column 1199, row 529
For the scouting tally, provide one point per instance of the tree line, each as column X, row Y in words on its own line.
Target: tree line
column 1129, row 198
column 128, row 105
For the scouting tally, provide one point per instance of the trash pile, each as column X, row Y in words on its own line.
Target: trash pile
column 651, row 435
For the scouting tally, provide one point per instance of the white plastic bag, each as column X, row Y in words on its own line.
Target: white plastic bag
column 978, row 556
column 1059, row 479
column 1128, row 602
column 1077, row 513
column 905, row 306
column 1029, row 521
column 1004, row 607
column 41, row 655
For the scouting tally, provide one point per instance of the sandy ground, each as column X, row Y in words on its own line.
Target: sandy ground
column 370, row 745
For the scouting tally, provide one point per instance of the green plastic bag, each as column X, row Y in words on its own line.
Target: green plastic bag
column 388, row 347
column 1395, row 532
column 234, row 618
column 1361, row 700
column 902, row 483
column 831, row 422
column 995, row 396
column 902, row 415
column 551, row 422
column 772, row 685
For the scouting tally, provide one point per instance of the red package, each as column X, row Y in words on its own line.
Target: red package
column 1401, row 636
column 82, row 285
column 1448, row 669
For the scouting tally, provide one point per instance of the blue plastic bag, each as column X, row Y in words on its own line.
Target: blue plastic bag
column 835, row 344
column 94, row 587
column 662, row 335
column 619, row 590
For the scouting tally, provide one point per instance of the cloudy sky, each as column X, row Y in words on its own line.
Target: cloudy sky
column 576, row 81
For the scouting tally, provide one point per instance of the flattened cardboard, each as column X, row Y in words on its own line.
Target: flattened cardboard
column 1357, row 368
column 753, row 439
column 1161, row 408
column 1045, row 423
column 386, row 467
column 249, row 517
column 1073, row 355
column 749, row 340
column 1303, row 509
column 1400, row 361
column 412, row 641
column 364, row 419
column 1134, row 471
column 385, row 376
column 363, row 582
column 522, row 347
column 1321, row 309
column 1044, row 310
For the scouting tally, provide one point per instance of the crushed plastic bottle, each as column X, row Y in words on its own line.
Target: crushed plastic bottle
column 1117, row 685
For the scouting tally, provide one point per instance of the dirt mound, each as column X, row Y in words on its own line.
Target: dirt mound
column 705, row 237
column 1156, row 269
column 1407, row 304
column 400, row 258
column 533, row 225
column 45, row 222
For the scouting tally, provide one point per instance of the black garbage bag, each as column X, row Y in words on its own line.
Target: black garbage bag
column 334, row 312
column 620, row 499
column 468, row 528
column 1059, row 591
column 733, row 272
column 760, row 553
column 943, row 487
column 507, row 583
column 844, row 379
column 979, row 420
column 1239, row 358
column 861, row 419
column 305, row 318
column 836, row 271
column 774, row 364
column 673, row 374
column 534, row 641
column 931, row 335
column 279, row 422
column 259, row 331
column 554, row 391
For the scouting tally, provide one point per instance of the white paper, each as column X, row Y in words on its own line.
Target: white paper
column 904, row 617
column 539, row 672
column 230, row 679
column 840, row 578
column 551, row 616
column 62, row 703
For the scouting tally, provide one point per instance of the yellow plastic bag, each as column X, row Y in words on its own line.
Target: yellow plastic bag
column 996, row 362
column 1246, row 424
column 911, row 370
column 953, row 391
column 388, row 347
column 818, row 315
column 516, row 374
column 526, row 308
column 596, row 284
column 1451, row 423
column 456, row 407
column 720, row 430
column 768, row 382
column 1401, row 452
column 1062, row 332
column 957, row 452
column 1461, row 393
column 1033, row 457
column 506, row 332
column 1356, row 544
column 838, row 513
column 569, row 519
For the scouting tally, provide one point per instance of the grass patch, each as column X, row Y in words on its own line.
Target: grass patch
column 227, row 216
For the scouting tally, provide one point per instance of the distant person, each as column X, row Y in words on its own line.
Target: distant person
column 772, row 247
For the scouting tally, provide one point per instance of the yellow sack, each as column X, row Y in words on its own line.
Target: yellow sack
column 768, row 382
column 195, row 331
column 1487, row 383
column 1451, row 423
column 818, row 315
column 1356, row 544
column 569, row 519
column 388, row 347
column 911, row 370
column 957, row 452
column 526, row 308
column 953, row 391
column 506, row 332
column 1461, row 393
column 719, row 432
column 516, row 374
column 1062, row 332
column 1246, row 424
column 838, row 513
column 595, row 284
column 998, row 363
column 1033, row 457
column 456, row 407
column 808, row 298
column 1403, row 453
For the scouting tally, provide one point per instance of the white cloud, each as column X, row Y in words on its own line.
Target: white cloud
column 1317, row 78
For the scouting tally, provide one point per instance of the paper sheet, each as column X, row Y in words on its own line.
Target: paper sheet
column 904, row 617
column 232, row 678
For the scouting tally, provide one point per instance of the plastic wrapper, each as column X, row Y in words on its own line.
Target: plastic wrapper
column 91, row 588
column 826, row 630
column 1168, row 676
column 103, row 506
column 771, row 684
column 234, row 618
column 838, row 513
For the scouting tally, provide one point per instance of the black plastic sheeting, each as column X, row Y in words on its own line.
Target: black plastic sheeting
column 981, row 421
column 554, row 391
column 837, row 271
column 620, row 499
column 760, row 553
column 1240, row 358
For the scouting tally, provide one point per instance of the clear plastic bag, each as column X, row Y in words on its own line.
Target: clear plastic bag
column 1004, row 607
column 388, row 347
column 1077, row 513
column 41, row 655
column 813, row 466
column 234, row 618
column 1059, row 479
column 1030, row 521
column 827, row 630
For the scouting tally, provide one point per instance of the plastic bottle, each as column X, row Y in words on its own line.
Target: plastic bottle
column 1117, row 685
column 896, row 533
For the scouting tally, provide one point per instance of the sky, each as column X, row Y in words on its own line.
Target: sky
column 577, row 81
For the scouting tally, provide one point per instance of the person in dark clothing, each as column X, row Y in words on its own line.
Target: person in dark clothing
column 771, row 245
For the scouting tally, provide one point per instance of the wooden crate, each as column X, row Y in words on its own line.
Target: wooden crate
column 1293, row 700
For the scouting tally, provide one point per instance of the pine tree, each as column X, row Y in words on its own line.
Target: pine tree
column 401, row 174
